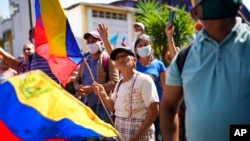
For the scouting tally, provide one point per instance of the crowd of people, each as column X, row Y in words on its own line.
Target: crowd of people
column 135, row 92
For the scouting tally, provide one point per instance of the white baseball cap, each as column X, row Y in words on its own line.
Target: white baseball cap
column 140, row 24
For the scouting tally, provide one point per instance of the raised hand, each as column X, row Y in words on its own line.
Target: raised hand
column 169, row 30
column 103, row 31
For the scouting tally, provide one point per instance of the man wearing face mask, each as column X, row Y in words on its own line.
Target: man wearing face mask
column 214, row 80
column 103, row 70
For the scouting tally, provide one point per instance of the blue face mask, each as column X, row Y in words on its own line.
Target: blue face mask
column 144, row 51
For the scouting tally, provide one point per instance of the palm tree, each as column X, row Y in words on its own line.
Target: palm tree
column 155, row 16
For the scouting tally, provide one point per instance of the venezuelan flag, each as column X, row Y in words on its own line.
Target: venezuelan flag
column 54, row 39
column 35, row 108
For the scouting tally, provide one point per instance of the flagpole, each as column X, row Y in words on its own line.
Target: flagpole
column 93, row 79
column 90, row 72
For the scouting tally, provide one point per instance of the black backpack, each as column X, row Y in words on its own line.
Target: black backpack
column 182, row 57
column 180, row 64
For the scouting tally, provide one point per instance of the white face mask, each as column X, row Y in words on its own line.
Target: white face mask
column 144, row 51
column 94, row 48
column 137, row 33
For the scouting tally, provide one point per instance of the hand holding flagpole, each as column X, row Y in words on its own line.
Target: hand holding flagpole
column 93, row 79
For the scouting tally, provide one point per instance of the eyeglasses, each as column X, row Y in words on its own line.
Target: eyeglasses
column 121, row 56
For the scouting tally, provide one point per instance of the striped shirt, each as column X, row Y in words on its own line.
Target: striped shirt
column 39, row 63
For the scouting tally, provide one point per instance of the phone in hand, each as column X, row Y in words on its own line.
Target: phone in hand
column 171, row 18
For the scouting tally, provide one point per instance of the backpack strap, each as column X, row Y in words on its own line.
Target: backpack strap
column 105, row 64
column 118, row 86
column 182, row 57
column 105, row 61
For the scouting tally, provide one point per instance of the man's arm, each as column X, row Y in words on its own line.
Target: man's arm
column 103, row 31
column 162, row 79
column 100, row 91
column 170, row 37
column 169, row 106
column 9, row 59
column 152, row 113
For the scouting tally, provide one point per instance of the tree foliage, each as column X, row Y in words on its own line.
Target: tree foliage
column 155, row 16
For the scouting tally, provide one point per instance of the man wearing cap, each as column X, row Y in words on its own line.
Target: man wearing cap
column 103, row 70
column 134, row 101
column 215, row 78
column 139, row 29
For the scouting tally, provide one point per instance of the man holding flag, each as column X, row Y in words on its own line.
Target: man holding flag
column 98, row 67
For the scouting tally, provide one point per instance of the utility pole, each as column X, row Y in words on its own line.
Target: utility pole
column 30, row 14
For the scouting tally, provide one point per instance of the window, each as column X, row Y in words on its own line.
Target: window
column 114, row 16
column 122, row 17
column 101, row 14
column 109, row 15
column 94, row 13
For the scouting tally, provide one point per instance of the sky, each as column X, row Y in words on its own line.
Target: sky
column 4, row 6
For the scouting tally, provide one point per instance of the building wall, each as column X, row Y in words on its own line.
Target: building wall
column 20, row 25
column 15, row 30
column 117, row 21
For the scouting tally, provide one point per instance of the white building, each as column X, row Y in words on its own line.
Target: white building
column 83, row 17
